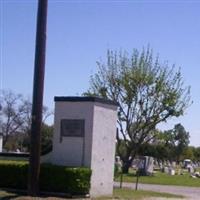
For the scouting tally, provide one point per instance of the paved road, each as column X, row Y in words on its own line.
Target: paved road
column 192, row 193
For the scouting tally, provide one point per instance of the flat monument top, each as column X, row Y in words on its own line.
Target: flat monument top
column 85, row 99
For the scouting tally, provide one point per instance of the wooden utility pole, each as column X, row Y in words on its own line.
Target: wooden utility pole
column 37, row 104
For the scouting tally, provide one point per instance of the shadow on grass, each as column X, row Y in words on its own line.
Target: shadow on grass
column 7, row 194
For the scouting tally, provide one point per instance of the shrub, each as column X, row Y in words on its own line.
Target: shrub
column 14, row 174
column 64, row 179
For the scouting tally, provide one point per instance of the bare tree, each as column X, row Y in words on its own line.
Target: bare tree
column 11, row 113
column 15, row 114
column 27, row 105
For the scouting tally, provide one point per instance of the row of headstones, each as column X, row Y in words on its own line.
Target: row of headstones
column 170, row 168
column 173, row 164
column 146, row 165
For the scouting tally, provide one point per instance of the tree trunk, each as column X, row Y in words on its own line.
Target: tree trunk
column 5, row 139
column 125, row 166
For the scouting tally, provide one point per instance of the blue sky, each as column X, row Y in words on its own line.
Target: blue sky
column 80, row 32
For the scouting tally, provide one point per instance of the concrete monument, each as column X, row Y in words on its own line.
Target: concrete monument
column 84, row 135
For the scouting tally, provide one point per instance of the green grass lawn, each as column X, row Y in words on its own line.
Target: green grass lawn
column 140, row 194
column 122, row 194
column 163, row 179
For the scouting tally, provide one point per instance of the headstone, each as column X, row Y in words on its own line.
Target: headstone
column 186, row 163
column 166, row 170
column 168, row 163
column 84, row 135
column 190, row 169
column 171, row 171
column 160, row 164
column 141, row 166
column 150, row 165
column 146, row 165
column 173, row 164
column 135, row 163
column 179, row 172
column 118, row 161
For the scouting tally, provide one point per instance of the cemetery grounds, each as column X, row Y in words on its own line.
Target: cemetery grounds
column 161, row 178
column 117, row 194
column 158, row 177
column 125, row 193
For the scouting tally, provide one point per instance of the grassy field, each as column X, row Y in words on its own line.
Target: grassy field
column 163, row 179
column 118, row 194
column 140, row 194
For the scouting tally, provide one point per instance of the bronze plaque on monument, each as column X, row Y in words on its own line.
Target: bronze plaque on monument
column 72, row 128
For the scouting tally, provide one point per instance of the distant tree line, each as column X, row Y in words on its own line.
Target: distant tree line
column 15, row 122
column 171, row 145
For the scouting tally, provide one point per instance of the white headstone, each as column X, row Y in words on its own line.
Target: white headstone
column 84, row 135
column 171, row 172
column 166, row 169
column 174, row 164
column 146, row 165
column 150, row 165
column 190, row 169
